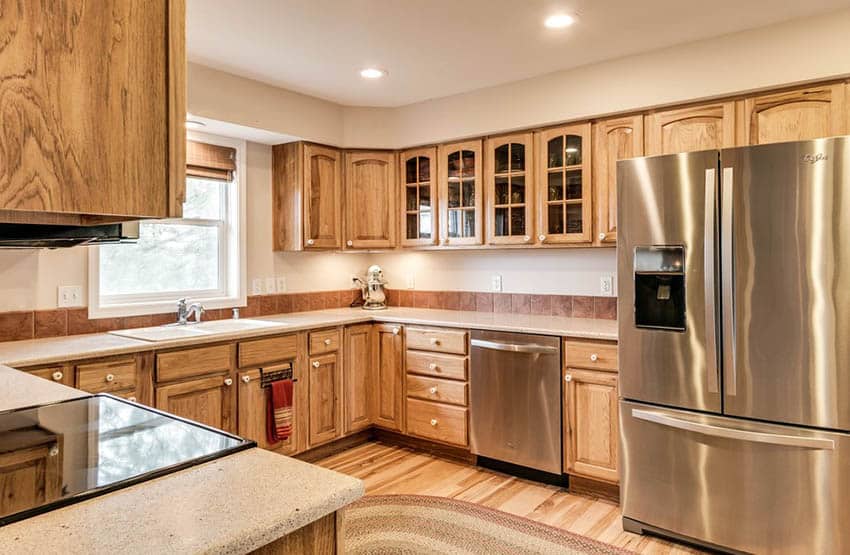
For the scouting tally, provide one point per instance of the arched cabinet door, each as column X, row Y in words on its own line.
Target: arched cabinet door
column 460, row 193
column 613, row 140
column 702, row 127
column 370, row 213
column 564, row 185
column 417, row 171
column 509, row 194
column 796, row 115
column 322, row 167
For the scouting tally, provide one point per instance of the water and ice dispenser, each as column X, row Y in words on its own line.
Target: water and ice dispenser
column 660, row 287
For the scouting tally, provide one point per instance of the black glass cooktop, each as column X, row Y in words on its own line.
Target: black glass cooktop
column 58, row 454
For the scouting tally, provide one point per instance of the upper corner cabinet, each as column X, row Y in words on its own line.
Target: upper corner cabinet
column 460, row 193
column 613, row 140
column 564, row 186
column 509, row 185
column 418, row 188
column 701, row 127
column 370, row 208
column 795, row 115
column 94, row 109
column 307, row 197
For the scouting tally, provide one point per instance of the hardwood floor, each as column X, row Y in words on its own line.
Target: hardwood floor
column 388, row 469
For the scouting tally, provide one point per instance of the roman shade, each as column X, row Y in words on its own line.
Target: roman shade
column 210, row 161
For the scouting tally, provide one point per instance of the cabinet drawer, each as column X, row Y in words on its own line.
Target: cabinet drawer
column 432, row 364
column 435, row 389
column 437, row 340
column 58, row 374
column 326, row 341
column 591, row 355
column 108, row 376
column 175, row 365
column 265, row 351
column 436, row 421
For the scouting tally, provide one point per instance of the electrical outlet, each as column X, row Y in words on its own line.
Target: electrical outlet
column 270, row 285
column 281, row 284
column 257, row 286
column 70, row 295
column 497, row 283
column 410, row 281
column 606, row 285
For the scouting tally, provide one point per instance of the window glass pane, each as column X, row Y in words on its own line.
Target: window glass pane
column 501, row 190
column 556, row 219
column 517, row 221
column 424, row 168
column 556, row 186
column 517, row 157
column 574, row 184
column 410, row 171
column 468, row 163
column 454, row 164
column 205, row 199
column 454, row 223
column 469, row 223
column 573, row 150
column 454, row 194
column 425, row 225
column 501, row 159
column 167, row 257
column 411, row 226
column 425, row 196
column 555, row 158
column 501, row 223
column 574, row 224
column 411, row 198
column 518, row 190
column 468, row 192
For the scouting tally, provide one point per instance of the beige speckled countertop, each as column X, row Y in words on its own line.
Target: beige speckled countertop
column 46, row 351
column 231, row 505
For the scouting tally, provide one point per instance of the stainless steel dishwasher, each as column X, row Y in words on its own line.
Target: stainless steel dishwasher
column 515, row 399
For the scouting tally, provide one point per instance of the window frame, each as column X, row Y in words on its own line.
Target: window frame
column 232, row 255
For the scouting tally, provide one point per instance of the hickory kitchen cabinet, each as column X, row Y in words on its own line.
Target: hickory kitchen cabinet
column 460, row 200
column 417, row 176
column 370, row 205
column 387, row 364
column 324, row 383
column 509, row 189
column 30, row 468
column 564, row 195
column 794, row 115
column 94, row 99
column 690, row 129
column 356, row 378
column 306, row 197
column 614, row 139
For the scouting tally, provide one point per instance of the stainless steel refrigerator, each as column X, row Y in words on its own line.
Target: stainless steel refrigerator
column 734, row 346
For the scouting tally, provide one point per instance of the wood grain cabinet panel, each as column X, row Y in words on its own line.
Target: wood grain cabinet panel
column 509, row 189
column 437, row 365
column 94, row 110
column 435, row 389
column 209, row 400
column 795, row 115
column 387, row 384
column 257, row 352
column 437, row 421
column 591, row 355
column 30, row 469
column 185, row 363
column 370, row 207
column 460, row 200
column 324, row 341
column 253, row 408
column 437, row 340
column 701, row 127
column 418, row 206
column 564, row 187
column 325, row 381
column 356, row 379
column 108, row 376
column 60, row 373
column 613, row 140
column 591, row 424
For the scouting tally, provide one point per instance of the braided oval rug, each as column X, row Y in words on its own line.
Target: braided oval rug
column 424, row 524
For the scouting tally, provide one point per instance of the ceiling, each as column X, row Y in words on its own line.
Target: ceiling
column 436, row 48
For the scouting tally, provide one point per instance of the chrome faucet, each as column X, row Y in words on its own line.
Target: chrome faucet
column 184, row 311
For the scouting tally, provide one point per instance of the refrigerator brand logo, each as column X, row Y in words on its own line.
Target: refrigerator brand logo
column 814, row 158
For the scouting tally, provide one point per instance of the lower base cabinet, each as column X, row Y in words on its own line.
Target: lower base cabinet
column 591, row 424
column 356, row 382
column 30, row 469
column 209, row 400
column 253, row 413
column 437, row 421
column 324, row 379
column 387, row 400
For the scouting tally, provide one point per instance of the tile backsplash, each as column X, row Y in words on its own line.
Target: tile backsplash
column 28, row 324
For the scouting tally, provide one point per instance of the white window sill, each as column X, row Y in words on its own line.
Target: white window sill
column 161, row 307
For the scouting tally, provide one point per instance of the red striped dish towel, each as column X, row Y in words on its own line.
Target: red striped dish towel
column 279, row 415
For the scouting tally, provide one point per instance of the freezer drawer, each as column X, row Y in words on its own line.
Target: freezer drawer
column 759, row 488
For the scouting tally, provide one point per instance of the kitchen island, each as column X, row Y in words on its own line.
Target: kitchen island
column 235, row 504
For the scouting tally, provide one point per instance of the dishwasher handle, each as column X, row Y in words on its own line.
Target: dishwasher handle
column 529, row 348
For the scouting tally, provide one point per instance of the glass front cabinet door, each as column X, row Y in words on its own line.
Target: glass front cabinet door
column 509, row 185
column 564, row 188
column 460, row 193
column 418, row 189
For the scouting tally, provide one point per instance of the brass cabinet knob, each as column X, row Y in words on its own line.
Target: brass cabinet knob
column 433, row 421
column 246, row 379
column 433, row 390
column 594, row 357
column 316, row 364
column 228, row 381
column 58, row 376
column 110, row 378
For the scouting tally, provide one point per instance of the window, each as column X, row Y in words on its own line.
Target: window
column 200, row 257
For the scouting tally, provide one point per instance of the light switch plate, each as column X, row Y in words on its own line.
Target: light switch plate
column 497, row 283
column 70, row 295
column 270, row 285
column 606, row 285
column 281, row 284
column 257, row 286
column 410, row 281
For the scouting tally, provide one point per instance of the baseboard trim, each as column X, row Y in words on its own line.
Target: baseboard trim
column 439, row 449
column 336, row 446
column 595, row 488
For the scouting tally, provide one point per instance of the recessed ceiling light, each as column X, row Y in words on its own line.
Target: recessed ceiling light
column 559, row 21
column 372, row 73
column 194, row 124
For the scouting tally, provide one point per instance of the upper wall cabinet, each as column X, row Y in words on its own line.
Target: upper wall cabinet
column 794, row 115
column 563, row 191
column 418, row 189
column 702, row 127
column 370, row 207
column 508, row 189
column 93, row 111
column 460, row 193
column 307, row 197
column 613, row 140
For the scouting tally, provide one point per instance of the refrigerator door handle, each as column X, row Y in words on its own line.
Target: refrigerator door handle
column 734, row 433
column 710, row 273
column 728, row 285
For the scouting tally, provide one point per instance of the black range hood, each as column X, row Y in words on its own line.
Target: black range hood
column 38, row 236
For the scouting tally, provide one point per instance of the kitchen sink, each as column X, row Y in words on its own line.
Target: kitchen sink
column 171, row 332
